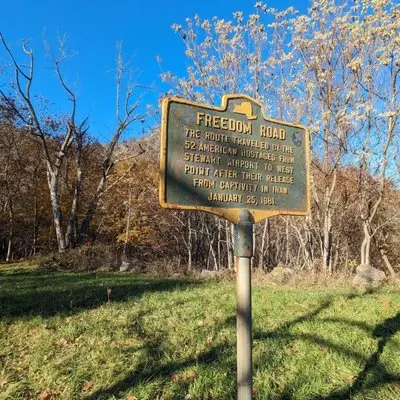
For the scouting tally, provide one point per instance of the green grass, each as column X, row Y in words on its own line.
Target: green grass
column 61, row 338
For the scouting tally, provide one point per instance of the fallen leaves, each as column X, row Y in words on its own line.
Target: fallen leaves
column 385, row 303
column 3, row 381
column 87, row 386
column 48, row 394
column 188, row 376
column 175, row 378
column 63, row 342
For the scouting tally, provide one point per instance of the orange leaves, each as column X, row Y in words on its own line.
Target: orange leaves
column 87, row 386
column 175, row 378
column 48, row 394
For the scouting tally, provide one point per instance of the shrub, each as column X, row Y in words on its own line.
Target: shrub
column 86, row 258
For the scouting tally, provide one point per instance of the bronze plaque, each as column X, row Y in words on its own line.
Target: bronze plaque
column 225, row 159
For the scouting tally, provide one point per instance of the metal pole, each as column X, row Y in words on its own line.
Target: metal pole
column 244, row 252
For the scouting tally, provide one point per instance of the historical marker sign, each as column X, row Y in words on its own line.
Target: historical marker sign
column 234, row 162
column 229, row 158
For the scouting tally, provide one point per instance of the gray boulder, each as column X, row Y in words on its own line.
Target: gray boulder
column 205, row 273
column 368, row 276
column 281, row 274
column 124, row 266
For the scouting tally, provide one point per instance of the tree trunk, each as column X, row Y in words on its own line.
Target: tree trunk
column 264, row 243
column 287, row 258
column 219, row 242
column 229, row 246
column 70, row 237
column 387, row 262
column 53, row 181
column 327, row 244
column 91, row 211
column 303, row 245
column 211, row 248
column 366, row 244
column 10, row 230
column 108, row 164
column 35, row 222
column 189, row 245
column 309, row 241
column 385, row 259
column 127, row 227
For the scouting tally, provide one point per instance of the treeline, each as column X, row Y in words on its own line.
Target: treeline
column 131, row 225
column 334, row 69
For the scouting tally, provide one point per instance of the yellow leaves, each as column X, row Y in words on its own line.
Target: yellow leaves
column 141, row 235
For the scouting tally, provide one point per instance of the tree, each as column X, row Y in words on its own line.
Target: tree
column 377, row 71
column 41, row 127
column 56, row 136
column 306, row 68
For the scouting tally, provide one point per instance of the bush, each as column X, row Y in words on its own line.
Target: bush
column 86, row 258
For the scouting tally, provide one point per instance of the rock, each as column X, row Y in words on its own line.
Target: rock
column 124, row 266
column 368, row 276
column 281, row 274
column 205, row 273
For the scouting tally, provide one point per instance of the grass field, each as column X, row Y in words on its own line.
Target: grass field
column 124, row 336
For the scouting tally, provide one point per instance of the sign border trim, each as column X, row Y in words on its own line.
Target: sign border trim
column 231, row 214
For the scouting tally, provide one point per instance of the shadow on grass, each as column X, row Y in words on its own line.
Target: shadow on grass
column 374, row 373
column 151, row 370
column 47, row 293
column 166, row 372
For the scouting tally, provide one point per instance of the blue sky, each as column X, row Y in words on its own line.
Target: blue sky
column 93, row 28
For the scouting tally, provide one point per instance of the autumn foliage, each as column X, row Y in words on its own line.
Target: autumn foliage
column 334, row 69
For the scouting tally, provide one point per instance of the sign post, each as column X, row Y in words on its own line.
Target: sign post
column 244, row 252
column 234, row 162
